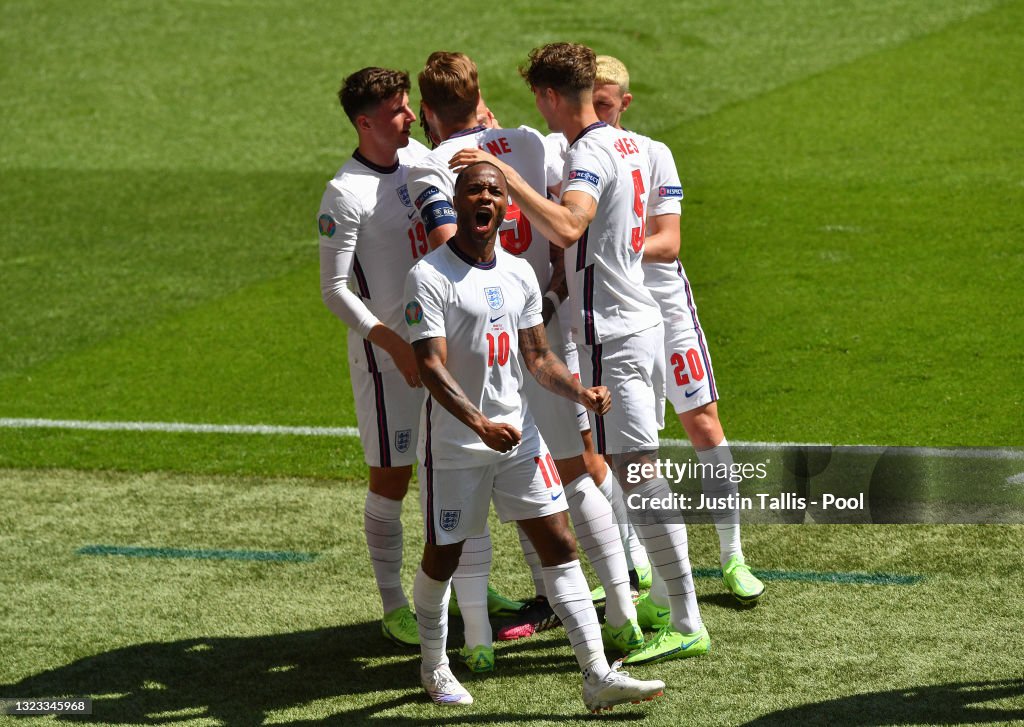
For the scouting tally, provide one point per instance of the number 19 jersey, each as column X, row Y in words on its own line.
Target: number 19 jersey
column 479, row 309
column 606, row 281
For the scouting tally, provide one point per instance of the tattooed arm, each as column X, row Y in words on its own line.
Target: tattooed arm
column 431, row 355
column 552, row 374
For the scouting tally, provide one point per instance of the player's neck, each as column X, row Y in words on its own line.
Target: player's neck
column 577, row 120
column 468, row 124
column 382, row 156
column 478, row 252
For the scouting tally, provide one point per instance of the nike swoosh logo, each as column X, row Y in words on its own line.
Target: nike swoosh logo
column 409, row 216
column 691, row 393
column 690, row 643
column 662, row 614
column 555, row 497
column 498, row 318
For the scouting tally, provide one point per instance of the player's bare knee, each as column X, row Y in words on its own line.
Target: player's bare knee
column 629, row 468
column 440, row 561
column 390, row 482
column 703, row 426
column 571, row 468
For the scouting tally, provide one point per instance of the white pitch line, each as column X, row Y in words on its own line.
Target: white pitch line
column 271, row 429
column 177, row 427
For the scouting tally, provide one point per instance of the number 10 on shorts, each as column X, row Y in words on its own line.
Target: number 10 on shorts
column 548, row 470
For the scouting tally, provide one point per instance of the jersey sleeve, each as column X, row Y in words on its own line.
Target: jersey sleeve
column 586, row 172
column 532, row 315
column 554, row 158
column 666, row 189
column 431, row 192
column 426, row 296
column 339, row 223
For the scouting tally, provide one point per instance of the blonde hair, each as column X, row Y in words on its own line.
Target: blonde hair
column 612, row 70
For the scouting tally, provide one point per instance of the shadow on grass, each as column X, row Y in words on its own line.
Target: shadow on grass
column 941, row 704
column 241, row 680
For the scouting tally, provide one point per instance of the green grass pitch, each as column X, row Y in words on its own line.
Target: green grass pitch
column 852, row 228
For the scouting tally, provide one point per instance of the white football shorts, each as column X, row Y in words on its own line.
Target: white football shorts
column 689, row 378
column 455, row 503
column 632, row 367
column 388, row 414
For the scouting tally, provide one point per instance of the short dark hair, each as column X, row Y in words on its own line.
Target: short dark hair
column 459, row 179
column 366, row 88
column 569, row 68
column 449, row 85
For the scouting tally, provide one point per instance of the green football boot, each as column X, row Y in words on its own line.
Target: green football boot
column 644, row 575
column 650, row 615
column 479, row 659
column 671, row 644
column 400, row 626
column 598, row 596
column 497, row 604
column 743, row 584
column 624, row 639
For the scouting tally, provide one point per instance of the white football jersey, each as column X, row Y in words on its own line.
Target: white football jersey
column 606, row 281
column 479, row 309
column 370, row 236
column 432, row 187
column 666, row 281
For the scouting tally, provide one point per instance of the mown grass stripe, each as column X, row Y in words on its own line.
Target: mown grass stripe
column 870, row 579
column 275, row 556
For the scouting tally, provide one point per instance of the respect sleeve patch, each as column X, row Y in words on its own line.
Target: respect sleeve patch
column 427, row 194
column 670, row 192
column 584, row 175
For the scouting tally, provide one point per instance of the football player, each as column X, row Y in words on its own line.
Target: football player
column 689, row 380
column 369, row 239
column 472, row 309
column 451, row 102
column 601, row 221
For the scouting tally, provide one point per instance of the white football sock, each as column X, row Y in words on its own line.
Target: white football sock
column 570, row 600
column 636, row 556
column 532, row 560
column 382, row 523
column 663, row 534
column 599, row 537
column 431, row 600
column 607, row 488
column 470, row 584
column 727, row 522
column 658, row 593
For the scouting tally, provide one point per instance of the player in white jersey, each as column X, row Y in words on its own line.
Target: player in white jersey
column 450, row 96
column 472, row 308
column 368, row 243
column 690, row 382
column 601, row 222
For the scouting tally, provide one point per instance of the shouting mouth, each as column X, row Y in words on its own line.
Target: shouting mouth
column 482, row 220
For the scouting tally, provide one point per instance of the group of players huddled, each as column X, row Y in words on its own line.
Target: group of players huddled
column 501, row 250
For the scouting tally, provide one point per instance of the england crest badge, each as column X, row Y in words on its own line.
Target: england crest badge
column 402, row 438
column 494, row 298
column 403, row 194
column 450, row 519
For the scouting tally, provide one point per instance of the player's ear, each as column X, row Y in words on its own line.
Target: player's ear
column 363, row 122
column 627, row 99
